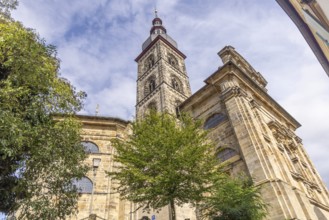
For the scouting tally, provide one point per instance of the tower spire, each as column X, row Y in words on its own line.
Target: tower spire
column 157, row 29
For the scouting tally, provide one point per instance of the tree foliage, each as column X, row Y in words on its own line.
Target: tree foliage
column 39, row 156
column 165, row 162
column 6, row 6
column 234, row 199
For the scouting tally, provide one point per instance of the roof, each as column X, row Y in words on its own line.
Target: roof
column 159, row 37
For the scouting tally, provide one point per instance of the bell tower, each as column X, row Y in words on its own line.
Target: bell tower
column 162, row 81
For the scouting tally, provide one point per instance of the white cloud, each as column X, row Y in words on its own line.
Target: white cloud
column 98, row 42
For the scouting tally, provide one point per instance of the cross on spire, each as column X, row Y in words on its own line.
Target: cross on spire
column 156, row 12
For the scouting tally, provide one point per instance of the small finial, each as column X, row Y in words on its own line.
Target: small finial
column 97, row 110
column 155, row 12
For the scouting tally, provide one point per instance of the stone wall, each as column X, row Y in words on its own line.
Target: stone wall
column 263, row 134
column 103, row 202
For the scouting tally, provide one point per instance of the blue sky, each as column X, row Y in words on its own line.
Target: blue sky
column 97, row 43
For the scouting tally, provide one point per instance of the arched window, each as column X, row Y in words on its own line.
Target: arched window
column 225, row 154
column 149, row 62
column 152, row 85
column 152, row 106
column 90, row 147
column 83, row 185
column 177, row 102
column 172, row 60
column 175, row 84
column 213, row 121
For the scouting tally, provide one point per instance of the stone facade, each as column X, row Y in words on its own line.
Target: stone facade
column 262, row 137
column 101, row 202
column 256, row 134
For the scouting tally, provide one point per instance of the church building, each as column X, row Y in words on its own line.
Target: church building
column 256, row 134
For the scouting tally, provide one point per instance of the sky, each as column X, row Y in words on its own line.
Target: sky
column 97, row 42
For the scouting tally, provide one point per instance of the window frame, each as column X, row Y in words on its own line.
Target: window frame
column 226, row 153
column 149, row 61
column 152, row 106
column 86, row 189
column 93, row 144
column 212, row 122
column 172, row 60
column 175, row 83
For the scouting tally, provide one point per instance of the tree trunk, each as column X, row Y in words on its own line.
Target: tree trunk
column 172, row 214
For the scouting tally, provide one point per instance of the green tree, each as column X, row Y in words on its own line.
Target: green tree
column 165, row 162
column 234, row 199
column 6, row 6
column 39, row 156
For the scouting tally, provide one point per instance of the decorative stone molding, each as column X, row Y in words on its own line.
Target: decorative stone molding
column 254, row 104
column 291, row 144
column 267, row 138
column 322, row 206
column 283, row 135
column 295, row 159
column 304, row 164
column 296, row 176
column 281, row 147
column 310, row 191
column 307, row 1
column 228, row 54
column 232, row 92
column 298, row 140
column 231, row 81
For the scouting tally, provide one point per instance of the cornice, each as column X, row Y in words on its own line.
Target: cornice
column 150, row 95
column 102, row 121
column 232, row 92
column 230, row 68
column 243, row 77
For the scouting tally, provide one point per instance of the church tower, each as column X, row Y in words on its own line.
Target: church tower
column 162, row 85
column 162, row 81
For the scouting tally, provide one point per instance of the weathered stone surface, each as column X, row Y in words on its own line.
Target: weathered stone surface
column 103, row 203
column 258, row 132
column 263, row 134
